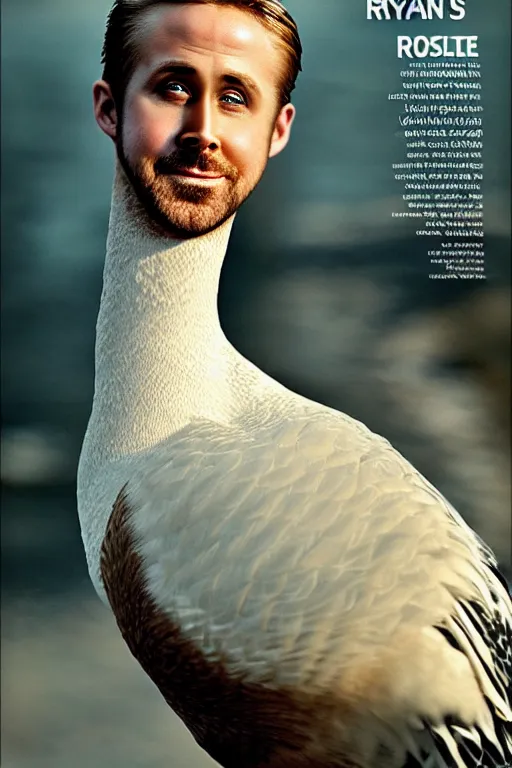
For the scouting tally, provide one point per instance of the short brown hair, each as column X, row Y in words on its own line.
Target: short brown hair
column 119, row 55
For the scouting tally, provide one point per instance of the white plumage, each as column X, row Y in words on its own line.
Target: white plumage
column 298, row 591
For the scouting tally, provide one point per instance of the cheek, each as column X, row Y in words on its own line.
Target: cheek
column 249, row 147
column 147, row 130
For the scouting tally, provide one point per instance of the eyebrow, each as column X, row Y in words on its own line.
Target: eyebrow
column 230, row 78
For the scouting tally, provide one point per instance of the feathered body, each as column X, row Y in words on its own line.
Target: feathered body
column 300, row 594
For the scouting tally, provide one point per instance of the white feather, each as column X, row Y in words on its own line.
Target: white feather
column 274, row 530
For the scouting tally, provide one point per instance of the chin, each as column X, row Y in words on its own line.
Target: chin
column 187, row 220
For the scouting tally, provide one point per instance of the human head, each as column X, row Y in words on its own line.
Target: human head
column 160, row 134
column 120, row 53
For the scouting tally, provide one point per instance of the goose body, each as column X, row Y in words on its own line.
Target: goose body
column 299, row 593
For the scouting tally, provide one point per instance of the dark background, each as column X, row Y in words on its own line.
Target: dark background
column 321, row 288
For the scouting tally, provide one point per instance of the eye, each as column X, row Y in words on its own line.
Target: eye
column 235, row 98
column 172, row 87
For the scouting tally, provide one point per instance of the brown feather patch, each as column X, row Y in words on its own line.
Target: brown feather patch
column 240, row 724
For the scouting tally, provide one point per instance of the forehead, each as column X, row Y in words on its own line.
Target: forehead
column 209, row 37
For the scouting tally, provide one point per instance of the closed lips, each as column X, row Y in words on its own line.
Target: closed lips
column 196, row 174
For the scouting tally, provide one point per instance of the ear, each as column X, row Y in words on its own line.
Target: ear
column 105, row 109
column 282, row 129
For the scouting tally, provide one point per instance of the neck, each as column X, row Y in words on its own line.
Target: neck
column 161, row 355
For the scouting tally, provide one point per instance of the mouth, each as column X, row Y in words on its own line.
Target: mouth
column 197, row 175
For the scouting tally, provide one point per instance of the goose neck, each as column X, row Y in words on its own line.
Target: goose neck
column 161, row 355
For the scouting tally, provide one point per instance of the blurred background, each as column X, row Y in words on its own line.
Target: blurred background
column 321, row 288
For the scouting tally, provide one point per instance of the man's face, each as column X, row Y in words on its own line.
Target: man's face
column 199, row 117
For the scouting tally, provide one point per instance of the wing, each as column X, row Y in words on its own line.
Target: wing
column 311, row 557
column 483, row 632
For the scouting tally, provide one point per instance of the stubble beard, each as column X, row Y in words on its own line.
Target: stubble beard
column 182, row 209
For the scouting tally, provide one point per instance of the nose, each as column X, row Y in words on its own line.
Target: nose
column 198, row 132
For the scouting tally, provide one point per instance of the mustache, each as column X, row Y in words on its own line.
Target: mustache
column 180, row 160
